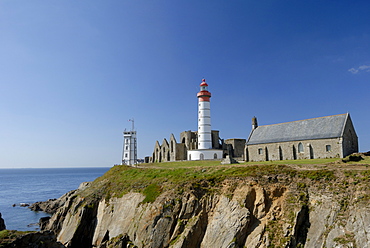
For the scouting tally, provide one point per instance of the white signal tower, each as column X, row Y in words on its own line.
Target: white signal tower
column 129, row 154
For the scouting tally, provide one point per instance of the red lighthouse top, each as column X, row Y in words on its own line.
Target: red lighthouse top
column 203, row 83
column 204, row 95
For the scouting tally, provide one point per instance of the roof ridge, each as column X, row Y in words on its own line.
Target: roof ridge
column 300, row 120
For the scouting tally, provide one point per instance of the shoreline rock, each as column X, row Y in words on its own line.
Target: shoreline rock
column 46, row 239
column 2, row 223
column 52, row 205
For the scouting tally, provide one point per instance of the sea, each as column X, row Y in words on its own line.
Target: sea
column 26, row 186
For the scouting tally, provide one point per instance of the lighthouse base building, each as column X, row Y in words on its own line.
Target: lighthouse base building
column 205, row 154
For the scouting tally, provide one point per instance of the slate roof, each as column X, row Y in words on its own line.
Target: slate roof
column 316, row 128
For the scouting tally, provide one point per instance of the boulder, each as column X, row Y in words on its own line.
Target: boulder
column 2, row 224
column 229, row 160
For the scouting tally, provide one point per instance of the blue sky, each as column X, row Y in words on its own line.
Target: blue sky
column 73, row 72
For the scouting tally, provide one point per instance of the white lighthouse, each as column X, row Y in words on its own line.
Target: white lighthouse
column 204, row 151
column 204, row 117
column 129, row 154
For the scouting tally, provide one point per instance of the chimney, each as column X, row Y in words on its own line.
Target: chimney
column 254, row 123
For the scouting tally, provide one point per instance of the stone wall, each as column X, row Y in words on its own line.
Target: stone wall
column 189, row 138
column 350, row 140
column 237, row 147
column 306, row 149
column 173, row 151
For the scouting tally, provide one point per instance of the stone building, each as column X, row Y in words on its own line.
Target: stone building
column 173, row 151
column 324, row 137
column 235, row 148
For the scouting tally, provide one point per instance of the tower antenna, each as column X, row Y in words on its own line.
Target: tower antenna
column 133, row 124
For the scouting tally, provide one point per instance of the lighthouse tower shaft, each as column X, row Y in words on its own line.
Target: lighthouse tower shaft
column 204, row 117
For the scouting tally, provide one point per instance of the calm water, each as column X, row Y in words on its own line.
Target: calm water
column 32, row 185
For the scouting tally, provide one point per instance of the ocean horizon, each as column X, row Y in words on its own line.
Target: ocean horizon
column 29, row 185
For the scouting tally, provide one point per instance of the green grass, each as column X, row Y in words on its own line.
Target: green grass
column 152, row 179
column 123, row 179
column 151, row 192
column 316, row 175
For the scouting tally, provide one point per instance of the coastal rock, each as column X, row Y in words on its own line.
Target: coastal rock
column 287, row 211
column 2, row 223
column 37, row 240
column 193, row 221
column 50, row 206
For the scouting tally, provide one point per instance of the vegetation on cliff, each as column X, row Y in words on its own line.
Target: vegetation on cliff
column 312, row 203
column 152, row 179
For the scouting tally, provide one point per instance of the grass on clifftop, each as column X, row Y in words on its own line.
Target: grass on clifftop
column 122, row 179
column 152, row 179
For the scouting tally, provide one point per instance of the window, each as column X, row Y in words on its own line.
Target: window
column 260, row 151
column 300, row 147
column 328, row 148
column 201, row 156
column 126, row 155
column 126, row 147
column 215, row 156
column 280, row 153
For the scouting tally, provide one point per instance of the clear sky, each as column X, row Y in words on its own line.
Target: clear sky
column 72, row 73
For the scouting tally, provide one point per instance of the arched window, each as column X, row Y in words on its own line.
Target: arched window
column 201, row 156
column 280, row 153
column 215, row 156
column 300, row 147
column 189, row 156
column 294, row 153
column 171, row 145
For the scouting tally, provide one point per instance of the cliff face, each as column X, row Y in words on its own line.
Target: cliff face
column 268, row 211
column 2, row 223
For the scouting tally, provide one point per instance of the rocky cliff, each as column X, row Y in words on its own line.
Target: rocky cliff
column 2, row 223
column 245, row 206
